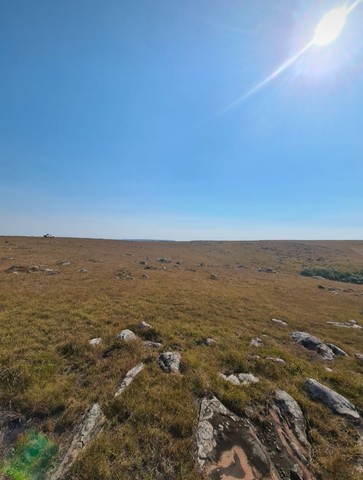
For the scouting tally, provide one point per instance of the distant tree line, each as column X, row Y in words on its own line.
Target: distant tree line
column 335, row 275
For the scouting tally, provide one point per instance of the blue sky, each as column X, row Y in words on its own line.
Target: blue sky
column 114, row 120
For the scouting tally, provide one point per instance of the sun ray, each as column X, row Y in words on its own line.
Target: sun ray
column 288, row 63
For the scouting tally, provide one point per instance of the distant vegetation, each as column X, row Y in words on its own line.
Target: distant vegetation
column 336, row 275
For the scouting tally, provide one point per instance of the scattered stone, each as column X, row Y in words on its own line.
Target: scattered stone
column 33, row 269
column 145, row 276
column 144, row 325
column 240, row 378
column 279, row 322
column 170, row 361
column 328, row 369
column 126, row 335
column 83, row 270
column 213, row 277
column 321, row 287
column 332, row 399
column 359, row 357
column 239, row 266
column 150, row 344
column 313, row 343
column 350, row 324
column 129, row 378
column 95, row 342
column 65, row 264
column 256, row 342
column 142, row 262
column 91, row 426
column 267, row 270
column 164, row 260
column 209, row 342
column 178, row 262
column 337, row 351
column 124, row 275
column 277, row 360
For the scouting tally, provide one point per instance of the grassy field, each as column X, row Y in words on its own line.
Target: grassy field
column 49, row 374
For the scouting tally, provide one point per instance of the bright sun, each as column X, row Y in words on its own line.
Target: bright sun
column 330, row 27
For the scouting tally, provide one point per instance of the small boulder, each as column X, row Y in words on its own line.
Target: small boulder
column 95, row 342
column 126, row 335
column 144, row 325
column 170, row 361
column 164, row 260
column 332, row 399
column 209, row 342
column 256, row 342
column 277, row 360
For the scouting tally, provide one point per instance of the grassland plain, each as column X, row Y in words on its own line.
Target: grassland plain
column 49, row 374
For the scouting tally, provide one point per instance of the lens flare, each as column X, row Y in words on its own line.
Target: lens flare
column 330, row 27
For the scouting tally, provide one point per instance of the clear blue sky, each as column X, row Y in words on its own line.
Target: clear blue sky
column 113, row 120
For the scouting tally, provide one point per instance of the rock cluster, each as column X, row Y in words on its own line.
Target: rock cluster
column 326, row 351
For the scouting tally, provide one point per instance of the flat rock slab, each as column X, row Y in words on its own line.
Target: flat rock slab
column 129, row 378
column 279, row 322
column 332, row 399
column 90, row 427
column 170, row 361
column 231, row 447
column 313, row 343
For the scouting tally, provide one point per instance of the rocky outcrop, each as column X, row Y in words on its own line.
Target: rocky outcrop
column 326, row 351
column 332, row 399
column 129, row 378
column 127, row 335
column 350, row 324
column 231, row 447
column 91, row 426
column 170, row 361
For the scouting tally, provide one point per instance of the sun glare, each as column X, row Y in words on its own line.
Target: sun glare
column 330, row 27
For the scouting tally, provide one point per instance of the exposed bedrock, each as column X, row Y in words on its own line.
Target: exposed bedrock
column 90, row 427
column 231, row 447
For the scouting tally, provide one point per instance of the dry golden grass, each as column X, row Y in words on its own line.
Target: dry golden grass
column 50, row 374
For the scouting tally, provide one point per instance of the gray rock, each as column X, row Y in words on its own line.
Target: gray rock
column 279, row 322
column 150, row 344
column 277, row 360
column 164, row 260
column 170, row 361
column 350, row 324
column 144, row 325
column 209, row 342
column 291, row 409
column 337, row 351
column 126, row 335
column 90, row 427
column 95, row 342
column 332, row 399
column 256, row 342
column 240, row 378
column 313, row 343
column 129, row 378
column 359, row 357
